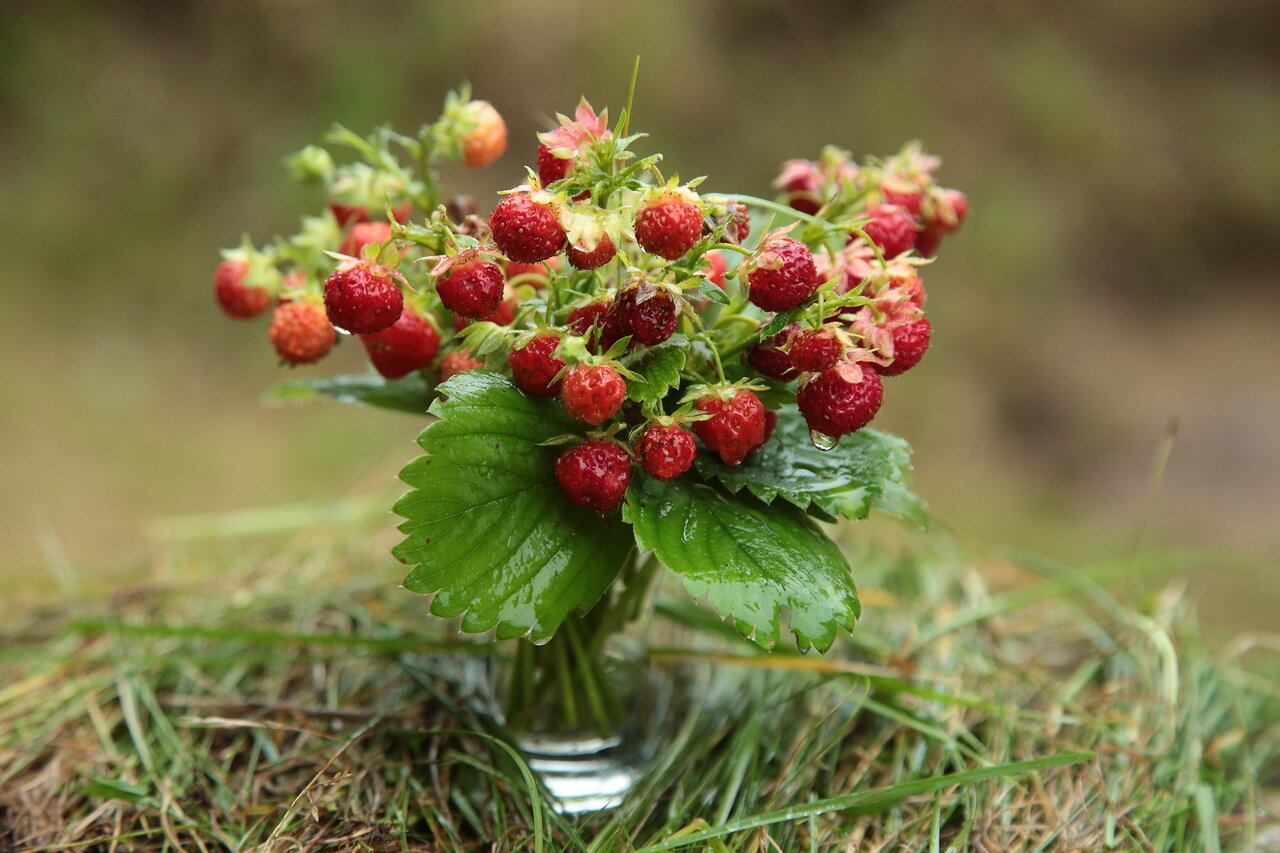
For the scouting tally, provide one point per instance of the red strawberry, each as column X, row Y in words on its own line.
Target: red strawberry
column 594, row 474
column 363, row 234
column 892, row 229
column 740, row 228
column 471, row 287
column 238, row 301
column 534, row 366
column 649, row 322
column 593, row 393
column 597, row 257
column 486, row 139
column 526, row 230
column 715, row 269
column 665, row 451
column 814, row 350
column 784, row 275
column 552, row 168
column 362, row 298
column 770, row 424
column 668, row 224
column 589, row 319
column 736, row 426
column 841, row 399
column 537, row 275
column 768, row 359
column 910, row 200
column 928, row 240
column 457, row 361
column 408, row 344
column 910, row 341
column 301, row 333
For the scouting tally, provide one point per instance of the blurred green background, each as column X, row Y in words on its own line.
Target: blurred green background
column 1119, row 268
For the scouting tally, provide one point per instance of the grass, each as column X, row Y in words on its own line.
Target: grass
column 278, row 693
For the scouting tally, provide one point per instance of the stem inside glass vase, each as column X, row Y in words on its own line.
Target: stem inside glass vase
column 575, row 703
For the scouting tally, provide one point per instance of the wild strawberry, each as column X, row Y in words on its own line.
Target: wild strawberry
column 783, row 274
column 361, row 298
column 769, row 359
column 471, row 287
column 928, row 240
column 300, row 333
column 526, row 230
column 910, row 200
column 947, row 212
column 665, row 451
column 589, row 320
column 736, row 425
column 668, row 223
column 740, row 227
column 535, row 275
column 892, row 229
column 350, row 214
column 770, row 424
column 593, row 393
column 364, row 234
column 814, row 350
column 534, row 366
column 486, row 138
column 408, row 344
column 649, row 322
column 802, row 181
column 237, row 300
column 909, row 344
column 457, row 361
column 715, row 269
column 597, row 257
column 552, row 168
column 594, row 474
column 841, row 399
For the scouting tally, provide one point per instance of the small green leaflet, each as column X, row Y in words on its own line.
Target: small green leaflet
column 750, row 560
column 411, row 394
column 866, row 469
column 658, row 369
column 487, row 528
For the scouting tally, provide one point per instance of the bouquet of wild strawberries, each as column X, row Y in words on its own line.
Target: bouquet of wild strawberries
column 618, row 364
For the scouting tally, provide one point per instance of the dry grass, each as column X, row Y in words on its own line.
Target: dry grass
column 280, row 694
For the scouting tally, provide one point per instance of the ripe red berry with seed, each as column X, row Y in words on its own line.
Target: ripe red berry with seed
column 783, row 275
column 594, row 474
column 364, row 234
column 736, row 426
column 841, row 399
column 665, row 451
column 892, row 229
column 597, row 257
column 552, row 168
column 301, row 333
column 910, row 342
column 471, row 287
column 238, row 300
column 740, row 226
column 650, row 321
column 668, row 224
column 362, row 297
column 408, row 344
column 593, row 393
column 814, row 350
column 525, row 230
column 458, row 361
column 769, row 359
column 589, row 319
column 486, row 139
column 534, row 366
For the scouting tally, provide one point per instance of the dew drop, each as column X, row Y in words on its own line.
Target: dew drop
column 822, row 441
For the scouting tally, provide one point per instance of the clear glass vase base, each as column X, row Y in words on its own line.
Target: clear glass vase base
column 584, row 775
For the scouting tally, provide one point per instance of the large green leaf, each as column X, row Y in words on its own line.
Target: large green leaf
column 411, row 394
column 488, row 530
column 750, row 560
column 866, row 469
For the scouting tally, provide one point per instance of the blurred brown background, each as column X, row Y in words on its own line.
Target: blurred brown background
column 1120, row 267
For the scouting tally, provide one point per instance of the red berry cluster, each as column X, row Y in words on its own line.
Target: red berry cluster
column 575, row 277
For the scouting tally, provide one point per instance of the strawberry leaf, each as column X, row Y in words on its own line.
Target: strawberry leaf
column 658, row 368
column 750, row 560
column 866, row 469
column 488, row 531
column 411, row 394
